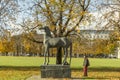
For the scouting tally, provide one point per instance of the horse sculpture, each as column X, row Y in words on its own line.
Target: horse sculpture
column 58, row 42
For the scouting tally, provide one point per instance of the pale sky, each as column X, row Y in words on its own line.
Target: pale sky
column 28, row 3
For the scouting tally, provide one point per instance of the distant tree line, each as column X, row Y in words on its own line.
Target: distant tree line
column 21, row 45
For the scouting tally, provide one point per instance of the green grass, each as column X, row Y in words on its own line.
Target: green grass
column 20, row 68
column 20, row 61
column 37, row 61
column 95, row 63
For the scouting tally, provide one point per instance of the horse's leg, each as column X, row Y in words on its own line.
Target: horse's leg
column 48, row 56
column 65, row 56
column 45, row 56
column 70, row 53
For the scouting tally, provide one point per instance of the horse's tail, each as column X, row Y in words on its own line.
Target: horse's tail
column 70, row 53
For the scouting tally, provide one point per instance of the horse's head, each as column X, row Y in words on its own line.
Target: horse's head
column 47, row 30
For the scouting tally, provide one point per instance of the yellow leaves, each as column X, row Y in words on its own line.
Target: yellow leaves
column 83, row 13
column 13, row 74
column 52, row 27
column 78, row 31
column 1, row 47
column 118, row 38
column 31, row 34
column 104, row 47
column 72, row 12
column 52, row 1
column 6, row 46
column 27, row 46
column 85, row 23
column 110, row 47
column 49, row 12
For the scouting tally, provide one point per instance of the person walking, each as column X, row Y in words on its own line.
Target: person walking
column 86, row 64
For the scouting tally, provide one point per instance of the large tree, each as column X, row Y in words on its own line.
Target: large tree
column 111, row 17
column 62, row 17
column 8, row 10
column 8, row 14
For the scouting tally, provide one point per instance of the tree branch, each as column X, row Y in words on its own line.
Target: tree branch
column 33, row 40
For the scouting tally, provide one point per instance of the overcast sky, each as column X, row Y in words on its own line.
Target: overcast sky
column 25, row 7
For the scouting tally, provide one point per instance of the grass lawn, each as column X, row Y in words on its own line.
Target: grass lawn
column 20, row 68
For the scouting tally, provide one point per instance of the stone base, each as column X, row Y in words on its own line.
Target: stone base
column 55, row 71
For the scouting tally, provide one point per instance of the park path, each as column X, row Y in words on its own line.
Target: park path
column 37, row 77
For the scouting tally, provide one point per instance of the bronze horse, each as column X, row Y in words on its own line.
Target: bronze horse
column 50, row 42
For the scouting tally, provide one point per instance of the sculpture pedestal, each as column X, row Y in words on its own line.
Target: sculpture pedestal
column 55, row 71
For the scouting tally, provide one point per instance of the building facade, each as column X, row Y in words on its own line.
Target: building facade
column 96, row 34
column 100, row 34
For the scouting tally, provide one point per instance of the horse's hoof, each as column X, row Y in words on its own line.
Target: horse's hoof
column 65, row 63
column 44, row 63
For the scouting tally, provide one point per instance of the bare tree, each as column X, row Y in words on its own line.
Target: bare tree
column 8, row 10
column 112, row 17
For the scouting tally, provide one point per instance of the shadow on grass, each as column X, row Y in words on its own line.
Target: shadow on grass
column 21, row 68
column 104, row 69
column 101, row 69
column 37, row 68
column 88, row 78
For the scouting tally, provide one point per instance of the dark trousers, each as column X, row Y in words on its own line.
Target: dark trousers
column 85, row 71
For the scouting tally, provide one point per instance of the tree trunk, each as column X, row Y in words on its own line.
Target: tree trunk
column 59, row 56
column 6, row 53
